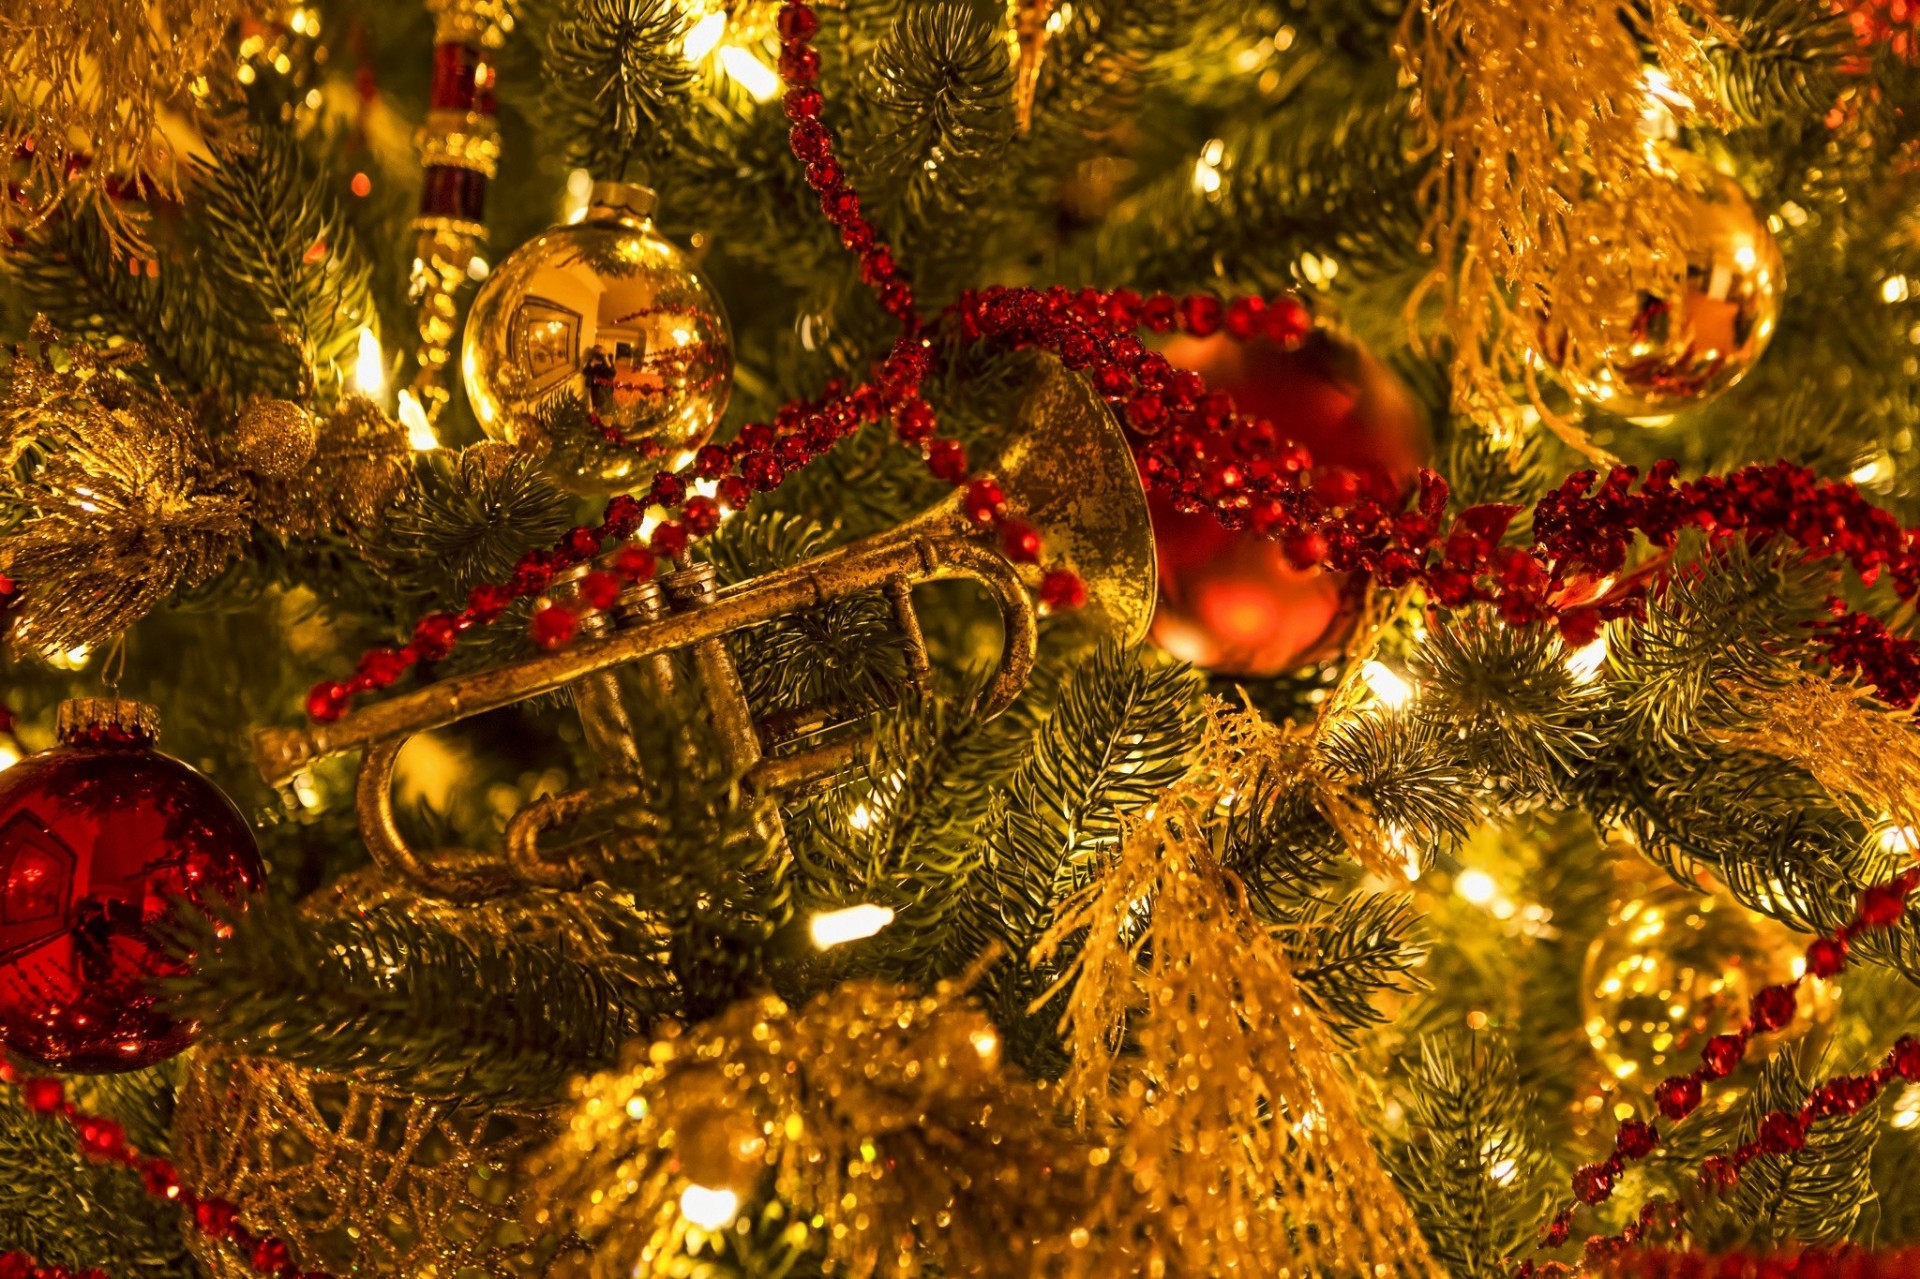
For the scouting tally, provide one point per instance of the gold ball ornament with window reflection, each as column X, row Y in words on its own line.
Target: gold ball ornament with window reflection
column 1672, row 968
column 1643, row 355
column 597, row 346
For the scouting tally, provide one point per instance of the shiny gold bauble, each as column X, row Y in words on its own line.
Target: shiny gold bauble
column 1671, row 969
column 1645, row 355
column 599, row 327
column 275, row 438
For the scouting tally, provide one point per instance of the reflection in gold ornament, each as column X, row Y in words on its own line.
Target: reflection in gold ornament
column 1671, row 969
column 599, row 346
column 1649, row 355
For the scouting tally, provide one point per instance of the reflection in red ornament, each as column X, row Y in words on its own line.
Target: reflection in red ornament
column 100, row 838
column 1230, row 601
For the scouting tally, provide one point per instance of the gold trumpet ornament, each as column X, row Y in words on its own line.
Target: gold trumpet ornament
column 1067, row 471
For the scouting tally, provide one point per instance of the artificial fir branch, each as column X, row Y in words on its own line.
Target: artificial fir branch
column 616, row 80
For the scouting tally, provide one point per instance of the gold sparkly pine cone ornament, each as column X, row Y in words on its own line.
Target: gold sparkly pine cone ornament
column 274, row 438
column 599, row 346
column 1646, row 354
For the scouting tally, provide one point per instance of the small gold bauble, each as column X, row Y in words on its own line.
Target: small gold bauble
column 599, row 328
column 1653, row 355
column 275, row 438
column 1673, row 968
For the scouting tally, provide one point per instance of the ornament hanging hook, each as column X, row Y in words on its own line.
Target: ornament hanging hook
column 115, row 665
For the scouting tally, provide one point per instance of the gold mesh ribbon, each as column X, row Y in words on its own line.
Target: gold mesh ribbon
column 1866, row 753
column 1189, row 1035
column 1543, row 181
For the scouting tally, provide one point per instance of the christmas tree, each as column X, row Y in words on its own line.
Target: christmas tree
column 1066, row 637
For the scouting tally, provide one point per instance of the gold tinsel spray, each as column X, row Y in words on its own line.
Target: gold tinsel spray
column 1190, row 1037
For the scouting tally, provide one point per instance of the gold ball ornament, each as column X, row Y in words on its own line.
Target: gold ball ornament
column 1673, row 968
column 275, row 438
column 598, row 346
column 1640, row 353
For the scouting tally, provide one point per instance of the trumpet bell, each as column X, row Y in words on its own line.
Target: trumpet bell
column 1068, row 471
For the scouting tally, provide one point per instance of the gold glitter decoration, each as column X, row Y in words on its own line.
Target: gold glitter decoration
column 359, row 466
column 884, row 1117
column 1533, row 113
column 85, row 85
column 357, row 1180
column 122, row 498
column 364, row 1180
column 1863, row 751
column 1190, row 1035
column 274, row 438
column 1030, row 25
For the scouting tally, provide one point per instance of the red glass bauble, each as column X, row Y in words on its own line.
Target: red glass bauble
column 1229, row 601
column 100, row 837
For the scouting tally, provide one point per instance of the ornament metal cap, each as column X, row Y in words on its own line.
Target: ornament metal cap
column 87, row 720
column 618, row 199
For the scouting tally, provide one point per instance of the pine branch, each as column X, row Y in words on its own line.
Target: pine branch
column 438, row 1010
column 617, row 81
column 1474, row 1166
column 66, row 1211
column 279, row 251
column 1521, row 714
column 469, row 517
column 1348, row 953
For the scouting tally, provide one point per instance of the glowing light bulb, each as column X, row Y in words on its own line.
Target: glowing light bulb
column 836, row 927
column 370, row 368
column 1476, row 886
column 708, row 1208
column 761, row 81
column 1586, row 661
column 420, row 436
column 704, row 35
column 8, row 756
column 1386, row 684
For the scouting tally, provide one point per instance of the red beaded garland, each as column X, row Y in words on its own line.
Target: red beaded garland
column 103, row 1140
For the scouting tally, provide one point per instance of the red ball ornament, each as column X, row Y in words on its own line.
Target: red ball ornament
column 1230, row 601
column 99, row 838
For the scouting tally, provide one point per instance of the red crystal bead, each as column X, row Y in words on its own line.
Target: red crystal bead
column 1772, row 1007
column 581, row 543
column 1781, row 1133
column 633, row 563
column 984, row 499
column 1062, row 589
column 701, row 515
column 1905, row 1057
column 554, row 625
column 669, row 540
column 914, row 421
column 599, row 590
column 1305, row 548
column 1722, row 1054
column 799, row 65
column 382, row 666
column 802, row 104
column 1678, row 1097
column 735, row 492
column 16, row 1265
column 761, row 470
column 1593, row 1183
column 270, row 1256
column 327, row 701
column 102, row 1138
column 1719, row 1172
column 711, row 462
column 947, row 459
column 667, row 489
column 798, row 23
column 1557, row 1231
column 1827, row 957
column 1200, row 315
column 215, row 1217
column 43, row 1095
column 434, row 635
column 487, row 602
column 161, row 1179
column 1020, row 541
column 1882, row 905
column 808, row 137
column 1636, row 1139
column 1287, row 321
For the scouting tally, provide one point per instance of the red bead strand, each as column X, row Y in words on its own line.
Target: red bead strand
column 103, row 1140
column 1771, row 1008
